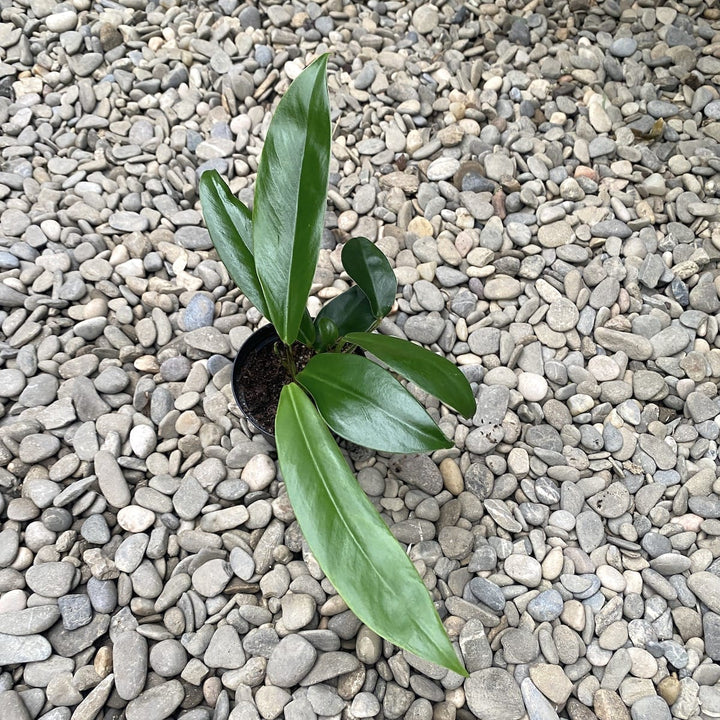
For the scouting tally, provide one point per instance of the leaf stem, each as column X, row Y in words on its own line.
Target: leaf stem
column 287, row 359
column 349, row 348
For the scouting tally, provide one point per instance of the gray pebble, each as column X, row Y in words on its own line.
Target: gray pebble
column 290, row 661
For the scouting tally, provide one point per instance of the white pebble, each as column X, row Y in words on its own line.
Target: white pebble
column 259, row 472
column 134, row 518
column 532, row 387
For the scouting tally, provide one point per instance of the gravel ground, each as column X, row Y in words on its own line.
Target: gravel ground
column 545, row 178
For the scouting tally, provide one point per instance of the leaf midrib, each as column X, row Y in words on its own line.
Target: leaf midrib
column 308, row 443
column 410, row 429
column 295, row 243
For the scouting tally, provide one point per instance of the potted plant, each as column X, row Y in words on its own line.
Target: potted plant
column 327, row 387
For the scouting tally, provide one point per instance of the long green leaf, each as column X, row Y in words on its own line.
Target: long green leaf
column 370, row 269
column 432, row 373
column 290, row 196
column 364, row 404
column 230, row 226
column 350, row 311
column 353, row 545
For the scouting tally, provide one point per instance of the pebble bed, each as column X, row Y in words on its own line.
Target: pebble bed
column 545, row 179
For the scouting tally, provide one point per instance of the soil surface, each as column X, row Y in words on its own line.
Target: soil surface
column 264, row 377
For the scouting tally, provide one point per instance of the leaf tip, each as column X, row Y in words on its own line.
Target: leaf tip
column 208, row 176
column 458, row 666
column 322, row 59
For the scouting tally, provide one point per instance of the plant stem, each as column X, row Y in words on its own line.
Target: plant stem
column 349, row 348
column 289, row 361
column 285, row 356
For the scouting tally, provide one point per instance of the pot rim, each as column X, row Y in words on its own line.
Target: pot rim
column 259, row 339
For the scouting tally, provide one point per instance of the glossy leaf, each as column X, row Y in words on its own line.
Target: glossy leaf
column 229, row 223
column 432, row 373
column 365, row 404
column 327, row 333
column 350, row 311
column 290, row 196
column 350, row 541
column 370, row 269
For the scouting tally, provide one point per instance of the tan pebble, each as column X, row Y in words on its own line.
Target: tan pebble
column 608, row 706
column 669, row 689
column 464, row 220
column 147, row 364
column 552, row 566
column 259, row 472
column 212, row 687
column 573, row 615
column 461, row 330
column 298, row 20
column 347, row 220
column 452, row 476
column 464, row 242
column 420, row 226
column 414, row 141
column 451, row 135
column 458, row 109
column 103, row 661
column 469, row 126
column 552, row 682
column 426, row 271
column 448, row 252
column 97, row 307
column 188, row 423
column 455, row 697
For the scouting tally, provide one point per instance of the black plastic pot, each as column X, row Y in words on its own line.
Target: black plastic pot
column 266, row 335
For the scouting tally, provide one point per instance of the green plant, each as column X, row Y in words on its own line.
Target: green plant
column 271, row 255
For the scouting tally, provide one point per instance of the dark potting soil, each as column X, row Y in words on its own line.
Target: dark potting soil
column 263, row 377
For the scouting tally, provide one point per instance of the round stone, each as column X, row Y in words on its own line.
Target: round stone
column 199, row 312
column 50, row 579
column 502, row 287
column 524, row 569
column 188, row 423
column 290, row 661
column 532, row 386
column 611, row 502
column 12, row 382
column 61, row 21
column 259, row 472
column 562, row 315
column 546, row 606
column 211, row 577
column 35, row 448
column 623, row 47
column 425, row 19
column 143, row 440
column 135, row 519
column 168, row 658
